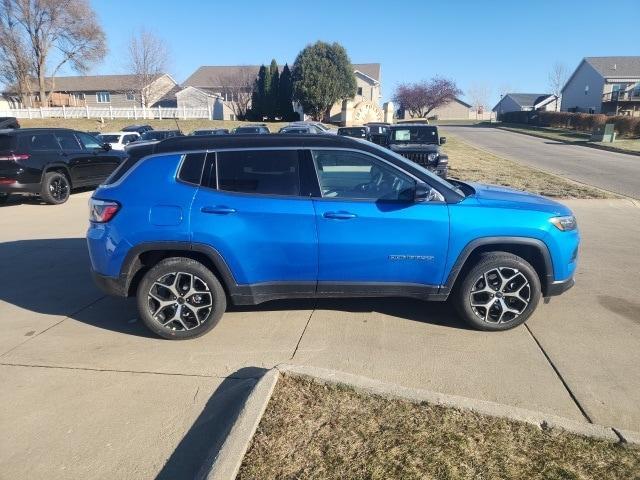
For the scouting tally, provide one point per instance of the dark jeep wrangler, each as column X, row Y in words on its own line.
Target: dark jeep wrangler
column 421, row 144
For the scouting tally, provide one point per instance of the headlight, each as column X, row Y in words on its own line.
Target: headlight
column 565, row 223
column 432, row 157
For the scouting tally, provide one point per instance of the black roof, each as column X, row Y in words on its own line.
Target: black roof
column 38, row 130
column 274, row 140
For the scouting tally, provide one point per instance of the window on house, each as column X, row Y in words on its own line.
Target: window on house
column 130, row 96
column 586, row 89
column 360, row 91
column 103, row 97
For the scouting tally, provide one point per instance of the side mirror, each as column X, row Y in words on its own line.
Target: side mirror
column 443, row 140
column 426, row 193
column 106, row 147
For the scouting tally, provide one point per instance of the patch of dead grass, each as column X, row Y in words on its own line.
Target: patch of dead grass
column 475, row 165
column 313, row 431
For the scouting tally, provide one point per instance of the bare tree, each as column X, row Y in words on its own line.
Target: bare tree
column 147, row 60
column 15, row 66
column 423, row 97
column 236, row 89
column 557, row 79
column 58, row 33
column 479, row 94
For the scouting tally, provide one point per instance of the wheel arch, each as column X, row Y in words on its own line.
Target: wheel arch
column 532, row 250
column 144, row 256
column 61, row 168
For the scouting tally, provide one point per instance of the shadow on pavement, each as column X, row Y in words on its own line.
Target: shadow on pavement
column 203, row 441
column 52, row 277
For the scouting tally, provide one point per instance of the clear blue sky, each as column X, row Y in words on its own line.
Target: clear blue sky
column 497, row 43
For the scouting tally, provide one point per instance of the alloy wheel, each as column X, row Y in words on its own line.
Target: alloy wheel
column 500, row 295
column 59, row 188
column 180, row 301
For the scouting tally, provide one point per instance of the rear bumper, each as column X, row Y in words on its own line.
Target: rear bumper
column 19, row 187
column 115, row 286
column 558, row 288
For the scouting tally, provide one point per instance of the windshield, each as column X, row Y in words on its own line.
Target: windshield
column 418, row 134
column 153, row 136
column 410, row 165
column 353, row 132
column 109, row 138
column 248, row 130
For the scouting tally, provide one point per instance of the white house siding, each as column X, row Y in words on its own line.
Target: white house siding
column 452, row 111
column 192, row 97
column 575, row 95
column 370, row 93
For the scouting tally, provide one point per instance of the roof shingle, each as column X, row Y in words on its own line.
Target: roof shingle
column 622, row 67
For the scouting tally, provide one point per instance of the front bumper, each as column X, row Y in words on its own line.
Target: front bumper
column 115, row 286
column 559, row 287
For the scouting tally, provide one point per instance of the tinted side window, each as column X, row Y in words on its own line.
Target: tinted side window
column 39, row 141
column 273, row 172
column 191, row 169
column 88, row 141
column 345, row 174
column 68, row 141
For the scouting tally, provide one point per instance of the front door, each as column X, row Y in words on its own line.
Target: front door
column 254, row 214
column 373, row 237
column 99, row 162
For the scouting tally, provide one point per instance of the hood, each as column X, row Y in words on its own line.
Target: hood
column 409, row 147
column 504, row 197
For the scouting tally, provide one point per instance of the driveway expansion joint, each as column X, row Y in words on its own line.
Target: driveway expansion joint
column 560, row 377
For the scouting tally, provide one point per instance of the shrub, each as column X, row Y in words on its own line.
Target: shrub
column 625, row 126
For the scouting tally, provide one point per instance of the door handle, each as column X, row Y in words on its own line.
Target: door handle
column 339, row 215
column 218, row 209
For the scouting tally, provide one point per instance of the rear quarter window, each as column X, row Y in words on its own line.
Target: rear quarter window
column 191, row 168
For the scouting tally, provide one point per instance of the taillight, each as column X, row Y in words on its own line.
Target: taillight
column 14, row 157
column 101, row 211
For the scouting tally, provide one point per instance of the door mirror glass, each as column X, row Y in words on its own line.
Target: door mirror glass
column 443, row 140
column 426, row 193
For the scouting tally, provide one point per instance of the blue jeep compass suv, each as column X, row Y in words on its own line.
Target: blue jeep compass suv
column 190, row 223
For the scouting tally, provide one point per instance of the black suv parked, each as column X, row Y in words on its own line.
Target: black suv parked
column 52, row 161
column 420, row 143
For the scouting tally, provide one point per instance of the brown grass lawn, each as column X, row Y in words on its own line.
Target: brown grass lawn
column 94, row 124
column 630, row 144
column 313, row 431
column 469, row 163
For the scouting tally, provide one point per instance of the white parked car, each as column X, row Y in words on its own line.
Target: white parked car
column 118, row 140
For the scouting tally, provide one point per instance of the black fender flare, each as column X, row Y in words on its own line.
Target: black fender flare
column 546, row 277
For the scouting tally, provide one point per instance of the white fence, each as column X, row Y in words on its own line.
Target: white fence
column 108, row 112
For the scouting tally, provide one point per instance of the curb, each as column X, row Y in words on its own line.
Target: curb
column 580, row 143
column 227, row 463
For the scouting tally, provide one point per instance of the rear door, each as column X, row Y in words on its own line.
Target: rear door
column 255, row 213
column 75, row 157
column 371, row 233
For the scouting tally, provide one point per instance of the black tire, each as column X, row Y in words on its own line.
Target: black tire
column 520, row 292
column 178, row 274
column 56, row 188
column 4, row 198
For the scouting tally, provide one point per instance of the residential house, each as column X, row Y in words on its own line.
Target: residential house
column 101, row 91
column 526, row 102
column 609, row 85
column 221, row 88
column 453, row 110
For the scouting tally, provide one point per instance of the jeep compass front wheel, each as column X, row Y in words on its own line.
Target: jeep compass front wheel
column 500, row 292
column 180, row 298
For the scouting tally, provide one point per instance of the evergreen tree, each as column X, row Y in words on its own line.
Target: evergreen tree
column 285, row 95
column 259, row 96
column 322, row 75
column 272, row 96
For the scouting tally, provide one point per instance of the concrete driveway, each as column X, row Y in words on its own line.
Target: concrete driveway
column 616, row 172
column 87, row 392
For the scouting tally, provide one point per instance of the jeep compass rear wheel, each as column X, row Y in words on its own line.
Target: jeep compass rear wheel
column 180, row 298
column 500, row 292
